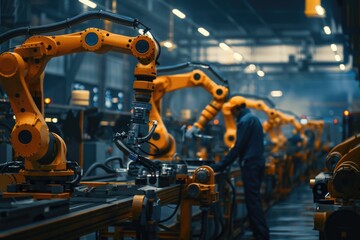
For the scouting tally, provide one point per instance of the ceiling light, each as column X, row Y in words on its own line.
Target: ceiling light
column 260, row 73
column 333, row 47
column 320, row 10
column 276, row 93
column 203, row 31
column 178, row 13
column 168, row 44
column 115, row 100
column 224, row 46
column 88, row 3
column 252, row 67
column 342, row 67
column 337, row 57
column 237, row 56
column 327, row 30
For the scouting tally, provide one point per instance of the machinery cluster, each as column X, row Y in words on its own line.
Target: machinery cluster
column 153, row 190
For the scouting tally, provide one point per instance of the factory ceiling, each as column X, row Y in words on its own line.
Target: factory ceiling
column 248, row 27
column 275, row 38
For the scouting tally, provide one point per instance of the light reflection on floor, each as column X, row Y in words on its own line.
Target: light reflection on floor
column 292, row 217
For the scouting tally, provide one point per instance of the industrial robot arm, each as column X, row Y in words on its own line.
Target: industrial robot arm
column 337, row 190
column 168, row 83
column 21, row 75
column 342, row 174
column 298, row 127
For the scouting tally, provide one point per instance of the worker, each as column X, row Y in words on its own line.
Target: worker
column 249, row 149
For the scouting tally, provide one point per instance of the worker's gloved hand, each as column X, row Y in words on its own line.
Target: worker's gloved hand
column 192, row 132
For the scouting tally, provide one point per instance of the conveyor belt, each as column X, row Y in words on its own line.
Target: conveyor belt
column 83, row 219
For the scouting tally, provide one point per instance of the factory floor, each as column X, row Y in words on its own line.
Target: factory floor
column 292, row 217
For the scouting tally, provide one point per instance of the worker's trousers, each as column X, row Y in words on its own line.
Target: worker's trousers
column 252, row 177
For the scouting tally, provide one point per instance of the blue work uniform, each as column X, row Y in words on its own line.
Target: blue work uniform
column 249, row 150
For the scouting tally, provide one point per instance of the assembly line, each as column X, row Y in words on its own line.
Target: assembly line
column 159, row 179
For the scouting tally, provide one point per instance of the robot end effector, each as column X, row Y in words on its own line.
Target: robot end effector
column 133, row 156
column 192, row 132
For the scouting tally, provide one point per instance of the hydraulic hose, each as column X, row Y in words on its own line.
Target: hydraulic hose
column 194, row 64
column 119, row 19
column 98, row 165
column 204, row 222
column 152, row 166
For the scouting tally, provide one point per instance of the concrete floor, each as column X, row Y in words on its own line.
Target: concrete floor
column 292, row 217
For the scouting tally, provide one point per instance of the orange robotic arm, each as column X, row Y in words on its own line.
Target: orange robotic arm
column 164, row 84
column 21, row 75
column 343, row 162
column 298, row 127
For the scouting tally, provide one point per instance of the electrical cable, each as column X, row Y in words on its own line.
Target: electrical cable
column 98, row 165
column 100, row 14
column 176, row 208
column 197, row 65
column 166, row 228
column 157, row 149
column 133, row 155
column 217, row 218
column 77, row 172
column 6, row 165
column 233, row 202
column 233, row 205
column 113, row 158
column 204, row 223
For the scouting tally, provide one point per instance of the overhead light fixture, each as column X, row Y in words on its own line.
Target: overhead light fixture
column 88, row 3
column 260, row 73
column 203, row 31
column 342, row 67
column 178, row 13
column 47, row 101
column 276, row 93
column 252, row 67
column 327, row 30
column 337, row 57
column 224, row 46
column 168, row 44
column 238, row 56
column 320, row 10
column 333, row 47
column 115, row 100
